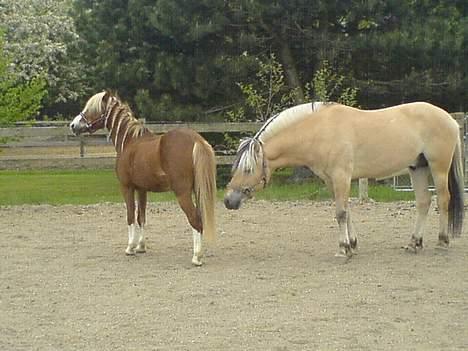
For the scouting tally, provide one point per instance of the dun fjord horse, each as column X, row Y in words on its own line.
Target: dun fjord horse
column 340, row 143
column 180, row 160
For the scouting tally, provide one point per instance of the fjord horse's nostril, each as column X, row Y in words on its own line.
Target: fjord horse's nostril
column 232, row 201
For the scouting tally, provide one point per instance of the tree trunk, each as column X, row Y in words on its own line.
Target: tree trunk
column 289, row 65
column 300, row 174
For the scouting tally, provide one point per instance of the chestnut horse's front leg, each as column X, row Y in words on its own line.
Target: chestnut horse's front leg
column 141, row 219
column 129, row 197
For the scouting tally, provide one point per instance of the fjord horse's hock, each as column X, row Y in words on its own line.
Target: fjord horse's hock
column 340, row 143
column 180, row 161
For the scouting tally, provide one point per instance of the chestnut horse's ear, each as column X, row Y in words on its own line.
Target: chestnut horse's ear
column 106, row 97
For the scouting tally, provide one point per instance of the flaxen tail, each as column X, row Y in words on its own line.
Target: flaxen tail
column 204, row 164
column 456, row 209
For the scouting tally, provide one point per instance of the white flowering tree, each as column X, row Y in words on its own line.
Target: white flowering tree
column 40, row 39
column 18, row 101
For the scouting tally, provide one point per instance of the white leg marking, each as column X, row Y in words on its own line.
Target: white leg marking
column 132, row 242
column 141, row 247
column 197, row 248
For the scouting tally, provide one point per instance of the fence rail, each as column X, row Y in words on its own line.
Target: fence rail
column 57, row 133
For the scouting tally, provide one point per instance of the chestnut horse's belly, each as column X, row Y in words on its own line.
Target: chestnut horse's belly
column 148, row 175
column 141, row 169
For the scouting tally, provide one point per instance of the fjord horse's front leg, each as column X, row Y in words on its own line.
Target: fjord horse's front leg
column 129, row 197
column 194, row 218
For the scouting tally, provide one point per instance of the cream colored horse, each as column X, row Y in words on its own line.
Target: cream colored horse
column 340, row 143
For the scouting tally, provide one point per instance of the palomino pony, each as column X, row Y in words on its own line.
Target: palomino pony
column 180, row 160
column 340, row 143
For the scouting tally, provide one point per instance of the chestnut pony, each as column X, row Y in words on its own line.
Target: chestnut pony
column 180, row 160
column 340, row 143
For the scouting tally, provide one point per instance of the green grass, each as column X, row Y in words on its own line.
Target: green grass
column 63, row 187
column 88, row 187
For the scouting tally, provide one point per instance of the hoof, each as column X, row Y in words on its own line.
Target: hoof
column 130, row 251
column 344, row 251
column 196, row 261
column 415, row 245
column 442, row 245
column 353, row 243
column 141, row 249
column 443, row 242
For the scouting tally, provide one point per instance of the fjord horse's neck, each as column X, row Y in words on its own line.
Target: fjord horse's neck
column 283, row 151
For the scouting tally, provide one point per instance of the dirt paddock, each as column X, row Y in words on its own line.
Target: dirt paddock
column 271, row 281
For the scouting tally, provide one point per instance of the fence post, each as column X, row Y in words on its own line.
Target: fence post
column 82, row 146
column 363, row 189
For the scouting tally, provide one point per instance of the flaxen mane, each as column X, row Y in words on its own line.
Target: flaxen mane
column 250, row 150
column 117, row 115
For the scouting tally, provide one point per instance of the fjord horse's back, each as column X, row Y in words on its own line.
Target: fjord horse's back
column 189, row 162
column 379, row 143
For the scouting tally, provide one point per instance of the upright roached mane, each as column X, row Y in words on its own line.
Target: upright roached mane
column 341, row 143
column 119, row 115
column 250, row 152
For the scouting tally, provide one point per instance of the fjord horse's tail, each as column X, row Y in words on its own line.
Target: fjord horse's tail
column 204, row 165
column 456, row 208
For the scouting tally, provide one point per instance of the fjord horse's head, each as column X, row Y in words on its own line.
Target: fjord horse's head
column 92, row 117
column 249, row 173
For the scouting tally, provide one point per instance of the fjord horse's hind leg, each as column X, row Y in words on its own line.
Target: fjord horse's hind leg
column 420, row 181
column 129, row 197
column 194, row 218
column 341, row 183
column 141, row 219
column 351, row 233
column 440, row 175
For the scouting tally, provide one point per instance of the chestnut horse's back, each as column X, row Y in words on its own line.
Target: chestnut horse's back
column 189, row 161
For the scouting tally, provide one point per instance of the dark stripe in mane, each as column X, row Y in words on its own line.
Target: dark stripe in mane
column 265, row 126
column 250, row 150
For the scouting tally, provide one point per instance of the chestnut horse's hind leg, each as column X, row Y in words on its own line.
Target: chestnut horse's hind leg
column 141, row 219
column 129, row 196
column 194, row 218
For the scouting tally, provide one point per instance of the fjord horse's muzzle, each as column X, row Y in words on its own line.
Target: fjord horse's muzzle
column 233, row 200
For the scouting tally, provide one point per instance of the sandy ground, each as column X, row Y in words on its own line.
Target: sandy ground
column 271, row 282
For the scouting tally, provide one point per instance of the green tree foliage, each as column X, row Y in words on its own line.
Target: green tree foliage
column 181, row 59
column 409, row 50
column 18, row 101
column 328, row 85
column 171, row 59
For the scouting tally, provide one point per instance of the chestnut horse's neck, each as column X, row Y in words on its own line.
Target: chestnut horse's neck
column 123, row 127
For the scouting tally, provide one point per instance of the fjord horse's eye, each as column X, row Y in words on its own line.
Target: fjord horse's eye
column 246, row 191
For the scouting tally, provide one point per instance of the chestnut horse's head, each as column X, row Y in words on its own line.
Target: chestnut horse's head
column 249, row 173
column 92, row 117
